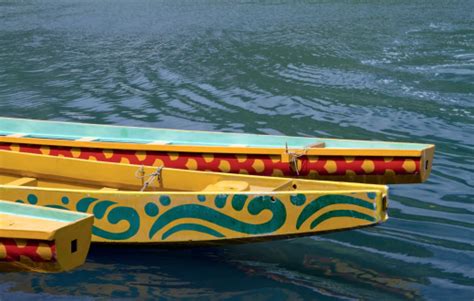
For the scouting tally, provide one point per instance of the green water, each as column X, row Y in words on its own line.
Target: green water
column 377, row 70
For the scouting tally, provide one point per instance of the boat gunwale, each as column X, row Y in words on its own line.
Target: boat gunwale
column 219, row 149
column 121, row 167
column 79, row 215
column 214, row 148
column 181, row 130
column 39, row 233
column 383, row 189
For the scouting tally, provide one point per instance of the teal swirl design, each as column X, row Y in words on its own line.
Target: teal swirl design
column 238, row 201
column 165, row 200
column 192, row 227
column 371, row 195
column 298, row 199
column 101, row 208
column 151, row 209
column 341, row 213
column 115, row 215
column 220, row 201
column 33, row 200
column 327, row 200
column 196, row 211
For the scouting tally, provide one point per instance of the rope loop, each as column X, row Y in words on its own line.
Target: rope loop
column 294, row 157
column 140, row 174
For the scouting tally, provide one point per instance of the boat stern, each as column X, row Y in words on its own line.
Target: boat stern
column 426, row 162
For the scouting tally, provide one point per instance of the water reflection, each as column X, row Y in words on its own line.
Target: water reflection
column 390, row 71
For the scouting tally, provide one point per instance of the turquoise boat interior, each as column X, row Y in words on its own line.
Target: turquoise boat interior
column 122, row 134
column 40, row 212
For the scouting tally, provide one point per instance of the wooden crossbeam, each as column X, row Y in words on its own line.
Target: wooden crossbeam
column 159, row 142
column 86, row 139
column 23, row 182
column 317, row 145
column 17, row 135
column 108, row 189
column 283, row 186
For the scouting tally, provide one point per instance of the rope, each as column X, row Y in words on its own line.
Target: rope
column 294, row 157
column 140, row 174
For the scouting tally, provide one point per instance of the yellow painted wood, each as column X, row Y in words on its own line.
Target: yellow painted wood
column 68, row 232
column 26, row 227
column 23, row 182
column 228, row 186
column 181, row 206
column 108, row 189
column 64, row 173
column 426, row 162
column 284, row 186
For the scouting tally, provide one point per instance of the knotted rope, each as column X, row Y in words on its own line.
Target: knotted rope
column 140, row 174
column 294, row 157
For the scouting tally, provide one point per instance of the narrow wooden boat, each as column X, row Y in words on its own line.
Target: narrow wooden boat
column 314, row 158
column 136, row 204
column 42, row 239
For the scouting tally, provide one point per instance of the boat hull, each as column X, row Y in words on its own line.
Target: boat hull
column 39, row 239
column 198, row 218
column 27, row 254
column 309, row 157
column 379, row 169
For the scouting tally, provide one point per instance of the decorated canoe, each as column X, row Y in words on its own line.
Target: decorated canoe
column 137, row 204
column 314, row 158
column 42, row 239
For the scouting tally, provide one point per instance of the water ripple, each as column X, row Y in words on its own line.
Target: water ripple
column 389, row 71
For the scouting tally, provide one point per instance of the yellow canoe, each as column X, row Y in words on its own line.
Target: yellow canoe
column 42, row 239
column 266, row 155
column 136, row 204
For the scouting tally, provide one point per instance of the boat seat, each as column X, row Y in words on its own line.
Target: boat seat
column 22, row 226
column 23, row 182
column 159, row 142
column 228, row 186
column 108, row 189
column 16, row 135
column 86, row 139
column 262, row 188
column 317, row 145
column 284, row 186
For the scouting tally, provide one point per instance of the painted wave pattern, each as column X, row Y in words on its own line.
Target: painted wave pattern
column 218, row 217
